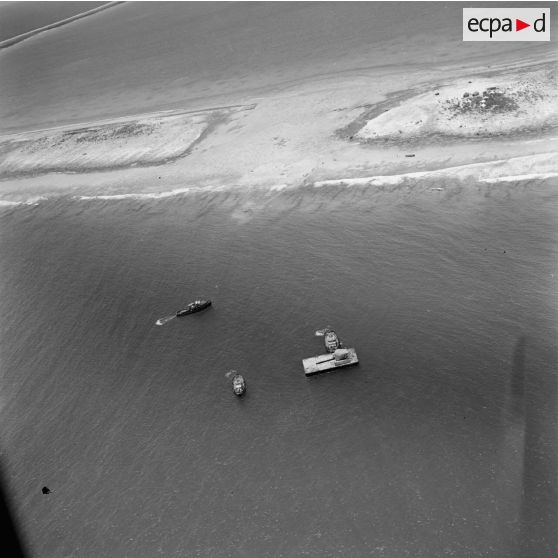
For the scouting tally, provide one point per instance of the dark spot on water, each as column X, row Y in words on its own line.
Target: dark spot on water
column 46, row 490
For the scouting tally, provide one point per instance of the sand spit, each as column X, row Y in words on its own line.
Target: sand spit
column 291, row 138
column 122, row 143
column 18, row 38
column 484, row 107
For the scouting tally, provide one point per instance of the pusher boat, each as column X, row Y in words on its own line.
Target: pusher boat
column 196, row 306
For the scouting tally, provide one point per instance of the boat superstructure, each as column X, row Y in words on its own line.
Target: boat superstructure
column 331, row 341
column 238, row 384
column 196, row 306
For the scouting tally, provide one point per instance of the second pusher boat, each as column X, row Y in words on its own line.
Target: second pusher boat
column 331, row 341
column 196, row 306
column 239, row 384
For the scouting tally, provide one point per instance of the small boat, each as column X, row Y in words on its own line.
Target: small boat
column 196, row 306
column 239, row 385
column 331, row 341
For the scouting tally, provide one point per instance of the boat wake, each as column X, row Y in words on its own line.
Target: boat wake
column 322, row 332
column 163, row 321
column 230, row 373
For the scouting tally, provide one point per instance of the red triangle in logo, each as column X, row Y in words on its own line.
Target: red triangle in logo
column 519, row 25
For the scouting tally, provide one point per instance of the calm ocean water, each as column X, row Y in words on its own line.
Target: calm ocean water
column 442, row 442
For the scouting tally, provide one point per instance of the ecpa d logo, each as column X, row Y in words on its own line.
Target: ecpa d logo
column 506, row 24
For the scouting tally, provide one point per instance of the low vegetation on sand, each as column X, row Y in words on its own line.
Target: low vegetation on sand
column 145, row 141
column 493, row 100
column 490, row 100
column 102, row 133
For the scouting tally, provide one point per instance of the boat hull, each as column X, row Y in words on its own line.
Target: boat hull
column 198, row 308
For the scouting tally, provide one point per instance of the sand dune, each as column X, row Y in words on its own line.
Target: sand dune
column 486, row 106
column 148, row 140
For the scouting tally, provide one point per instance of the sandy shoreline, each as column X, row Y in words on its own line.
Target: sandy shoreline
column 349, row 129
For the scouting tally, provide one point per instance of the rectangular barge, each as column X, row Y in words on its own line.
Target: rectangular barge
column 323, row 363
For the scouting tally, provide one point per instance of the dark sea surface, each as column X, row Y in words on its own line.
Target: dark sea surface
column 442, row 442
column 21, row 17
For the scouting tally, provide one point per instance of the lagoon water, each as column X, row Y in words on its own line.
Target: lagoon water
column 442, row 442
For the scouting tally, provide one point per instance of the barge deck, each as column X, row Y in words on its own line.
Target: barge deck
column 323, row 363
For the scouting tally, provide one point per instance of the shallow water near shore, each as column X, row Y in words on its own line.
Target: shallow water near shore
column 441, row 442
